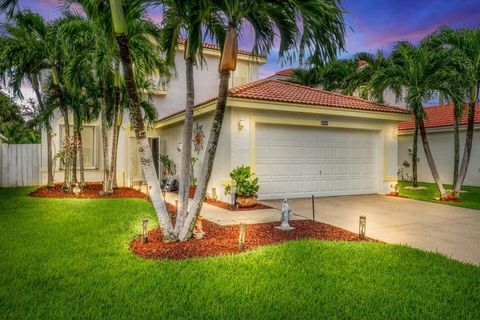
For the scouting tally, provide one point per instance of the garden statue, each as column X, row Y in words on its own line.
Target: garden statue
column 285, row 217
column 77, row 190
column 198, row 232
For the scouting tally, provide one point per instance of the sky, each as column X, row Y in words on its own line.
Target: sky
column 371, row 24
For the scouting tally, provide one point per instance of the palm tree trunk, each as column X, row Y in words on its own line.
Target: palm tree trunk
column 80, row 160
column 431, row 161
column 145, row 153
column 75, row 149
column 48, row 129
column 415, row 155
column 106, row 166
column 468, row 145
column 196, row 205
column 113, row 157
column 115, row 154
column 456, row 148
column 50, row 181
column 184, row 186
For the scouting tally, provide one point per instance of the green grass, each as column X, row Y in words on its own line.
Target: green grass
column 71, row 259
column 469, row 199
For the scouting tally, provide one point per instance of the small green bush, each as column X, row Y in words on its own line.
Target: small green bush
column 247, row 186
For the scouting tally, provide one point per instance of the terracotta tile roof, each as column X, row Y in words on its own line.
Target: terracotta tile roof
column 285, row 72
column 276, row 90
column 439, row 116
column 216, row 47
column 282, row 91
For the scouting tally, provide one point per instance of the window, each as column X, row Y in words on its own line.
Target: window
column 88, row 146
column 240, row 75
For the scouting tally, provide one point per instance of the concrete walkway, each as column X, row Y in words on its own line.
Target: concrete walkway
column 226, row 217
column 434, row 227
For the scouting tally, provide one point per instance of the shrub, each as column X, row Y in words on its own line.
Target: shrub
column 247, row 186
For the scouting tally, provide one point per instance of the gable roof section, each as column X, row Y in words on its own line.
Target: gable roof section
column 285, row 72
column 286, row 92
column 439, row 116
column 281, row 91
column 215, row 47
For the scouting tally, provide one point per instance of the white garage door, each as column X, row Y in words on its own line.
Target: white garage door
column 296, row 162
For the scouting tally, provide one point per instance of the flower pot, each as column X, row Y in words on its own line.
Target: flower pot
column 394, row 193
column 246, row 202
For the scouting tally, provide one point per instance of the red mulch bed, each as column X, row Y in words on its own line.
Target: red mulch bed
column 221, row 240
column 227, row 206
column 91, row 191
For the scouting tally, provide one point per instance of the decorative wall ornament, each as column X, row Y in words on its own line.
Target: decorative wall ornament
column 198, row 138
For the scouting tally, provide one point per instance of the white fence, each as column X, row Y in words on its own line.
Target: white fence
column 20, row 165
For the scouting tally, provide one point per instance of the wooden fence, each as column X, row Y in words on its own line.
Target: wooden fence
column 20, row 165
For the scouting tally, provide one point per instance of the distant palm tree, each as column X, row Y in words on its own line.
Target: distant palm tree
column 22, row 57
column 322, row 33
column 468, row 42
column 423, row 74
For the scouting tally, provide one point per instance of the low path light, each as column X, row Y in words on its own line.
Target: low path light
column 362, row 227
column 144, row 230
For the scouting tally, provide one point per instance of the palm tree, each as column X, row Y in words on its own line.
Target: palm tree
column 468, row 42
column 121, row 31
column 22, row 57
column 187, row 18
column 322, row 34
column 423, row 74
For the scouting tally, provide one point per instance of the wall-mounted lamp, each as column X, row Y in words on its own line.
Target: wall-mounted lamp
column 241, row 124
column 179, row 147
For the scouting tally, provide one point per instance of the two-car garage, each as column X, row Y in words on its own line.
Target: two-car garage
column 298, row 161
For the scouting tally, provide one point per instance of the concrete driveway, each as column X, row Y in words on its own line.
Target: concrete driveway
column 434, row 227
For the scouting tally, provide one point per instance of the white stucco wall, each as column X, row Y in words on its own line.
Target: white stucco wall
column 171, row 136
column 441, row 144
column 206, row 80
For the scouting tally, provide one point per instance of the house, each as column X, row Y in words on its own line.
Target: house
column 168, row 98
column 439, row 125
column 298, row 140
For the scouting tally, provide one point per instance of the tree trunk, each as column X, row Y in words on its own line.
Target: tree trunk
column 145, row 153
column 196, row 205
column 80, row 160
column 431, row 161
column 48, row 129
column 468, row 146
column 113, row 157
column 50, row 181
column 184, row 186
column 115, row 154
column 456, row 147
column 415, row 155
column 75, row 148
column 106, row 166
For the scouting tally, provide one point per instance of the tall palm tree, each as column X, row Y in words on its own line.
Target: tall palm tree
column 22, row 57
column 468, row 42
column 186, row 18
column 322, row 33
column 423, row 74
column 121, row 31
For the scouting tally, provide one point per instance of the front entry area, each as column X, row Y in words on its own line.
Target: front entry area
column 298, row 161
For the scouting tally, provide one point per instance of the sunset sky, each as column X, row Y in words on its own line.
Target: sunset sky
column 372, row 24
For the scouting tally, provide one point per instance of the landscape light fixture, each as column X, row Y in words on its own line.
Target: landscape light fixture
column 362, row 227
column 144, row 230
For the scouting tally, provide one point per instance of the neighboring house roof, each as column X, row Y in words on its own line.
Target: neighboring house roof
column 285, row 72
column 281, row 91
column 439, row 116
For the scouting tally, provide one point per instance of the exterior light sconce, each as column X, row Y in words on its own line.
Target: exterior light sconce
column 241, row 124
column 362, row 227
column 179, row 147
column 144, row 230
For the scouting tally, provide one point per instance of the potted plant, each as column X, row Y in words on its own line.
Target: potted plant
column 245, row 187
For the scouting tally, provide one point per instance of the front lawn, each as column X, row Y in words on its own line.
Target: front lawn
column 70, row 258
column 469, row 199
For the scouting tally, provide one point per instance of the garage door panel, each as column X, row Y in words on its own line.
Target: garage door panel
column 300, row 161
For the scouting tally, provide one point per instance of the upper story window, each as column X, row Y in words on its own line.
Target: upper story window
column 240, row 75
